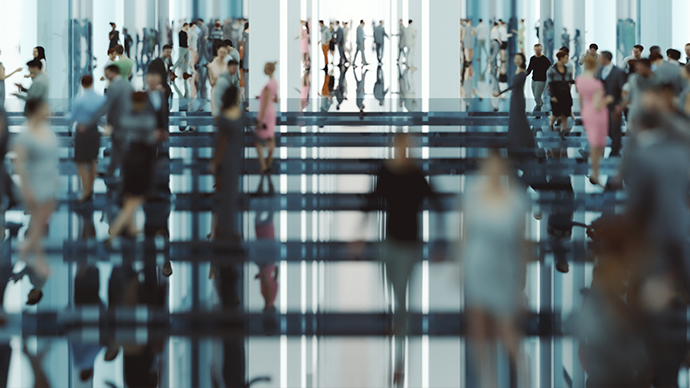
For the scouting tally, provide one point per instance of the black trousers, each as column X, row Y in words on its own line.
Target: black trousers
column 615, row 134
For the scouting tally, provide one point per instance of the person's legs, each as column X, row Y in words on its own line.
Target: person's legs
column 324, row 48
column 538, row 92
column 410, row 56
column 510, row 337
column 595, row 155
column 616, row 135
column 116, row 151
column 260, row 155
column 379, row 52
column 85, row 178
column 479, row 334
column 125, row 219
column 271, row 145
column 40, row 215
column 341, row 50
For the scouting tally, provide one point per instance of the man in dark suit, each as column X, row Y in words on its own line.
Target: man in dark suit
column 613, row 78
column 158, row 103
column 161, row 66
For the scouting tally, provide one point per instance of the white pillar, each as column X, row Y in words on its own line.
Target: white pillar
column 290, row 60
column 414, row 10
column 264, row 43
column 681, row 28
column 444, row 54
column 600, row 22
column 656, row 22
column 53, row 35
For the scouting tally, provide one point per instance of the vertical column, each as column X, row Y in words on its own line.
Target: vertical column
column 264, row 42
column 444, row 54
column 681, row 29
column 544, row 15
column 655, row 28
column 292, row 77
column 600, row 18
column 163, row 22
column 80, row 45
column 414, row 8
column 53, row 34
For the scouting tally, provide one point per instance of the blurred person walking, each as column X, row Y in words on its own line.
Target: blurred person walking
column 595, row 118
column 493, row 254
column 400, row 191
column 37, row 166
column 266, row 120
column 87, row 139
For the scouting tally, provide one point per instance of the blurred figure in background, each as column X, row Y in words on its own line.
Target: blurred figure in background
column 138, row 166
column 493, row 253
column 266, row 120
column 3, row 77
column 87, row 139
column 37, row 166
column 595, row 118
column 656, row 170
column 401, row 189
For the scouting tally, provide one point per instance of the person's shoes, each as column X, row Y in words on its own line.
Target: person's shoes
column 85, row 199
column 167, row 269
column 562, row 266
column 584, row 154
column 186, row 76
column 111, row 354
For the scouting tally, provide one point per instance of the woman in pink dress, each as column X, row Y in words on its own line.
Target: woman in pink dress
column 595, row 116
column 304, row 39
column 266, row 120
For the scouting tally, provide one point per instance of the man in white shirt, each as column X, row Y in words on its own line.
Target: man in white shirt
column 495, row 44
column 636, row 55
column 482, row 35
column 504, row 35
column 410, row 38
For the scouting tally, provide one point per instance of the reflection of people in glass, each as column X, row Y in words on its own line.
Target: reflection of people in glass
column 380, row 90
column 340, row 92
column 493, row 253
column 360, row 89
column 305, row 89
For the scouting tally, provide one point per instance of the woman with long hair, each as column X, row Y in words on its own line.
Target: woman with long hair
column 39, row 54
column 36, row 148
column 266, row 120
column 521, row 142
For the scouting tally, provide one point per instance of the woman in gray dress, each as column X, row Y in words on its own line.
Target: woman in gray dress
column 3, row 77
column 36, row 163
column 468, row 36
column 493, row 252
column 521, row 143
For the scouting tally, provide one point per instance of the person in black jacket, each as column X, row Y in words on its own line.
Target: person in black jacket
column 613, row 78
column 161, row 66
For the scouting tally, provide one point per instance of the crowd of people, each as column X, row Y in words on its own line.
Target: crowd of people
column 641, row 270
